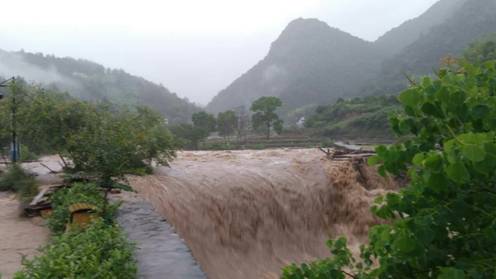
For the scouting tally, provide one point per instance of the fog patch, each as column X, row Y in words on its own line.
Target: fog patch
column 275, row 79
column 273, row 73
column 14, row 65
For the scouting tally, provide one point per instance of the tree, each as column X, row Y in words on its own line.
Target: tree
column 204, row 121
column 119, row 142
column 265, row 116
column 47, row 121
column 227, row 123
column 243, row 122
column 442, row 225
column 154, row 140
column 188, row 135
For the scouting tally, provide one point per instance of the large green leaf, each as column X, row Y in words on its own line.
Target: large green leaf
column 410, row 98
column 458, row 172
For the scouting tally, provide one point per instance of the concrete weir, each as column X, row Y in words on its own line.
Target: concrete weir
column 160, row 252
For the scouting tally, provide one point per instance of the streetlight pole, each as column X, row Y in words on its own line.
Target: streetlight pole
column 15, row 145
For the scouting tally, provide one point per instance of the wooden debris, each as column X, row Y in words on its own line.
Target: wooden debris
column 41, row 203
column 346, row 152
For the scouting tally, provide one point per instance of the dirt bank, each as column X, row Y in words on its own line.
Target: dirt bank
column 18, row 236
column 245, row 214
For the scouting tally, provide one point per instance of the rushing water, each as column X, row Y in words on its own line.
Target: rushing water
column 246, row 214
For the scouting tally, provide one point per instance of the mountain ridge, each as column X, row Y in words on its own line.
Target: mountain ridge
column 88, row 80
column 304, row 42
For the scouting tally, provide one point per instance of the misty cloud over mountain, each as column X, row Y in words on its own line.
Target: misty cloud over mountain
column 90, row 81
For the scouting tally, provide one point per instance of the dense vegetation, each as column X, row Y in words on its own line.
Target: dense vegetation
column 100, row 250
column 100, row 139
column 230, row 123
column 358, row 118
column 99, row 142
column 442, row 225
column 77, row 193
column 90, row 81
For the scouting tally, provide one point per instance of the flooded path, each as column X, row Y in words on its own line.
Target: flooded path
column 160, row 252
column 18, row 236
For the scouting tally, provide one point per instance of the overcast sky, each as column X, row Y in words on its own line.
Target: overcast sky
column 193, row 47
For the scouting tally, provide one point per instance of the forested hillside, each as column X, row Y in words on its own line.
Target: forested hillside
column 309, row 63
column 407, row 33
column 472, row 21
column 91, row 81
column 358, row 118
column 312, row 64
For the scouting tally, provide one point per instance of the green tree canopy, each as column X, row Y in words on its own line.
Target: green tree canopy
column 227, row 123
column 188, row 135
column 265, row 114
column 120, row 142
column 204, row 121
column 103, row 140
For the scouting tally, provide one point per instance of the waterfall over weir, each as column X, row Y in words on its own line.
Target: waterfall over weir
column 246, row 214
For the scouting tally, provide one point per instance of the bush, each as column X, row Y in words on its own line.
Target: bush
column 79, row 192
column 99, row 251
column 17, row 180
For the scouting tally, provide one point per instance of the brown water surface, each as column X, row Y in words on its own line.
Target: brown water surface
column 246, row 214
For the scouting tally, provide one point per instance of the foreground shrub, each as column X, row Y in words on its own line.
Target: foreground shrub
column 78, row 193
column 17, row 180
column 99, row 251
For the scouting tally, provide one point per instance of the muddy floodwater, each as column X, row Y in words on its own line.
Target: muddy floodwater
column 19, row 237
column 246, row 214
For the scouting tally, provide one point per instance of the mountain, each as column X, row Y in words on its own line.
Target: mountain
column 90, row 81
column 312, row 64
column 309, row 63
column 407, row 33
column 473, row 20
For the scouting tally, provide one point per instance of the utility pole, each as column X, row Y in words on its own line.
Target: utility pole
column 14, row 151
